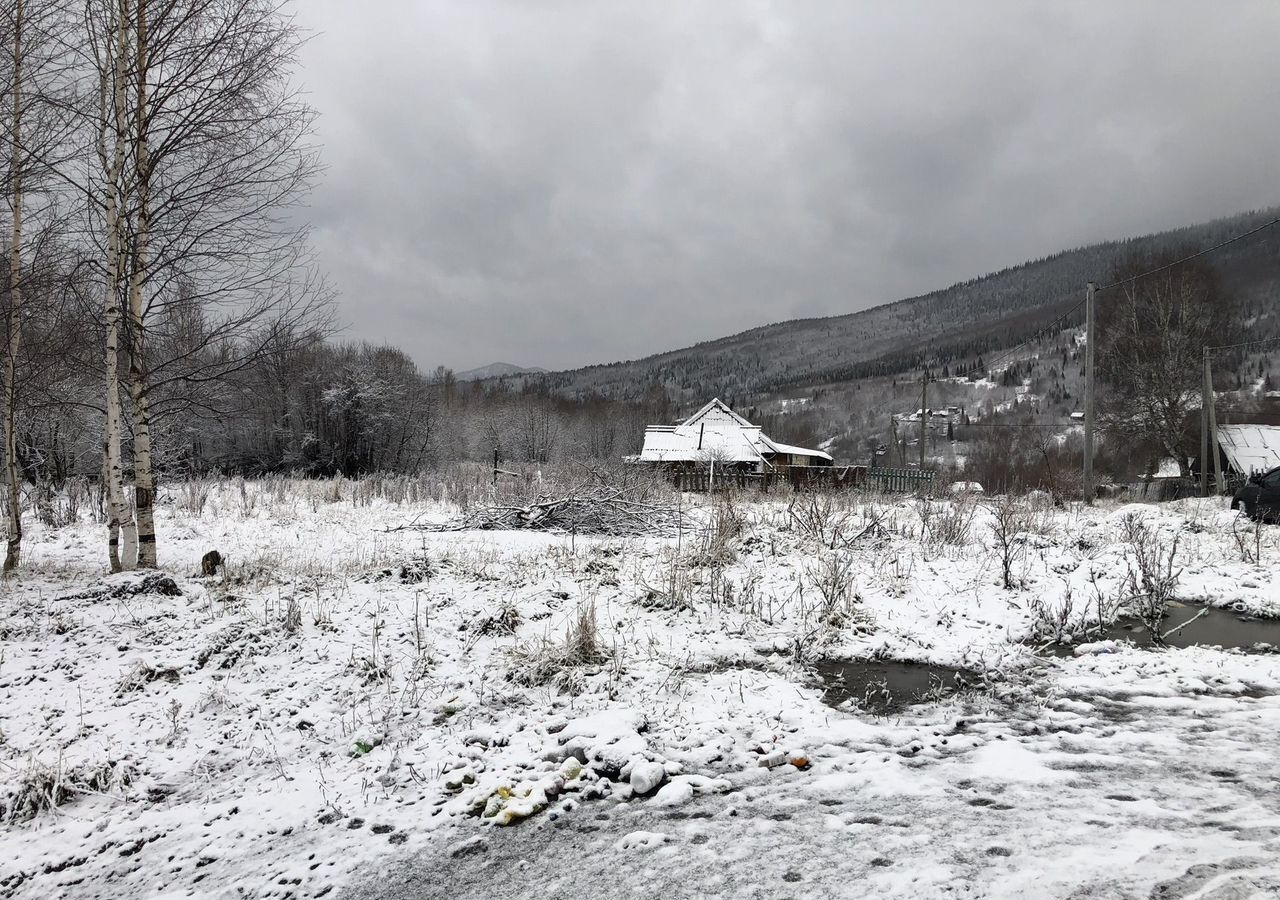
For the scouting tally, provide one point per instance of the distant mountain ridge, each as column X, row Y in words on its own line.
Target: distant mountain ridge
column 954, row 325
column 496, row 370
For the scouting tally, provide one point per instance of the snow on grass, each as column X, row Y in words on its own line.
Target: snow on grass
column 344, row 692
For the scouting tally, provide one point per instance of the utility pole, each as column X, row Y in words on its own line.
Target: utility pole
column 1213, row 427
column 1088, row 392
column 1206, row 395
column 924, row 412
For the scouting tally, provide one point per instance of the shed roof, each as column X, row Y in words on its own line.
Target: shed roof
column 1250, row 448
column 793, row 450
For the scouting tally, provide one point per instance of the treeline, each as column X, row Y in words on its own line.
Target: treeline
column 352, row 409
column 318, row 408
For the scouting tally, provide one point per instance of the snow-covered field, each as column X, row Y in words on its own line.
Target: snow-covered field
column 347, row 699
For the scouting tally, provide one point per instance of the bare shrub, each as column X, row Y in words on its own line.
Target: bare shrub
column 832, row 576
column 560, row 664
column 1009, row 523
column 1248, row 539
column 1151, row 577
column 945, row 523
column 820, row 517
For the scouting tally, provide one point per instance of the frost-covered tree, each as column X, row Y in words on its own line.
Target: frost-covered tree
column 1152, row 332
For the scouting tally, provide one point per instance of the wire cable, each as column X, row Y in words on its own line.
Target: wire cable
column 1218, row 246
column 1040, row 333
column 1260, row 341
column 1021, row 425
column 1199, row 253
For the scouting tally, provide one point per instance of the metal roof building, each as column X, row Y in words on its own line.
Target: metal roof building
column 717, row 434
column 1250, row 448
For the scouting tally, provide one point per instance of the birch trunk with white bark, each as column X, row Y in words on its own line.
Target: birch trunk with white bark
column 13, row 548
column 143, row 474
column 120, row 527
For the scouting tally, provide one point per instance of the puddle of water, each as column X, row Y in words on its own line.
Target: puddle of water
column 1206, row 626
column 884, row 687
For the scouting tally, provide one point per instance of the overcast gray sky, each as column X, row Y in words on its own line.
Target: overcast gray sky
column 558, row 183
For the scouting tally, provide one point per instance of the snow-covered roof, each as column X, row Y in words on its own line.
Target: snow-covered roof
column 715, row 432
column 717, row 409
column 697, row 443
column 1250, row 448
column 795, row 451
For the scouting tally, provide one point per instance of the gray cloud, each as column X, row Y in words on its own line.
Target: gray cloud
column 560, row 183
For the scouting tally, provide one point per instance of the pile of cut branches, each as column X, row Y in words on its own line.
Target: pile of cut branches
column 595, row 511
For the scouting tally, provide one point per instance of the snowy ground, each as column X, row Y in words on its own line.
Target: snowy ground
column 349, row 710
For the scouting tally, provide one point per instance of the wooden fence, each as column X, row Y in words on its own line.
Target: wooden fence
column 805, row 478
column 902, row 481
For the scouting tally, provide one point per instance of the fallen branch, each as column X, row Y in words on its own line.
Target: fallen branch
column 1202, row 612
column 601, row 511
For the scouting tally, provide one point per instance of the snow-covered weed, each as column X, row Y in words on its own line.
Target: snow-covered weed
column 544, row 661
column 193, row 497
column 896, row 572
column 43, row 788
column 1068, row 619
column 142, row 673
column 292, row 616
column 504, row 619
column 672, row 589
column 716, row 544
column 1055, row 620
column 1248, row 538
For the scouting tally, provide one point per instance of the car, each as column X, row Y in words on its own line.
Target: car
column 1259, row 497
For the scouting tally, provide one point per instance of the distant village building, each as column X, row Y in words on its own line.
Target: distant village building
column 717, row 435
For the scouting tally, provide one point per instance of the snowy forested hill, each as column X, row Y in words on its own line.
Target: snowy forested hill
column 952, row 326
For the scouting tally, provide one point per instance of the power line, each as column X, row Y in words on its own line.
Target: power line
column 1021, row 425
column 1035, row 337
column 1048, row 328
column 1178, row 262
column 1259, row 342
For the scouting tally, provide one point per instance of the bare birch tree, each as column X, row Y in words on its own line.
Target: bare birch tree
column 210, row 149
column 111, row 24
column 13, row 547
column 33, row 61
